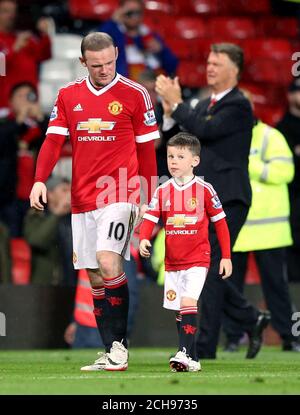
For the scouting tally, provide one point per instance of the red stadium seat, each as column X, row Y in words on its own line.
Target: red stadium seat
column 269, row 71
column 279, row 49
column 232, row 27
column 270, row 115
column 190, row 28
column 21, row 261
column 247, row 6
column 156, row 9
column 252, row 273
column 159, row 23
column 92, row 9
column 257, row 92
column 274, row 26
column 190, row 7
column 192, row 74
column 183, row 48
column 207, row 6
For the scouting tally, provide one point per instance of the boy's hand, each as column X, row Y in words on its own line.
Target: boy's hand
column 144, row 245
column 225, row 268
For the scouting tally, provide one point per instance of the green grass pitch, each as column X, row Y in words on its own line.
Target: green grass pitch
column 57, row 372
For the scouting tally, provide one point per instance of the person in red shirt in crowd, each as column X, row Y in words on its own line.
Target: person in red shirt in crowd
column 23, row 50
column 111, row 124
column 187, row 204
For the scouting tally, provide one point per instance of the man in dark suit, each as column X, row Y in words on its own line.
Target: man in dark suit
column 223, row 124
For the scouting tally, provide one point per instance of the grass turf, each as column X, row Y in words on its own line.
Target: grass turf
column 57, row 372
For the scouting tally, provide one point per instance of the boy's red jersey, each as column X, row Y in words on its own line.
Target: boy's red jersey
column 186, row 211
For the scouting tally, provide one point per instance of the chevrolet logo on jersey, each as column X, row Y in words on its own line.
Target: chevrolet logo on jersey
column 179, row 221
column 95, row 125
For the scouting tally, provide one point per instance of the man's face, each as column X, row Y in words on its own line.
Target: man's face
column 133, row 14
column 8, row 11
column 20, row 98
column 221, row 72
column 101, row 65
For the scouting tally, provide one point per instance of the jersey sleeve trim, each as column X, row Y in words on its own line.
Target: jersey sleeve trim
column 151, row 217
column 217, row 217
column 147, row 137
column 57, row 130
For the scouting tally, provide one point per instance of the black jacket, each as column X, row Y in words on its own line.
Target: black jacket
column 225, row 133
column 9, row 131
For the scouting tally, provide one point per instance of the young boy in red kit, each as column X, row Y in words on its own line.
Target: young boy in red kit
column 186, row 203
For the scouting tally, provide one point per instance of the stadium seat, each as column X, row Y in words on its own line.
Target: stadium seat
column 21, row 261
column 66, row 46
column 244, row 7
column 92, row 9
column 189, row 28
column 265, row 94
column 183, row 48
column 232, row 27
column 192, row 74
column 202, row 7
column 159, row 23
column 252, row 273
column 267, row 49
column 269, row 71
column 206, row 7
column 275, row 26
column 271, row 114
column 79, row 70
column 56, row 70
column 157, row 9
column 48, row 90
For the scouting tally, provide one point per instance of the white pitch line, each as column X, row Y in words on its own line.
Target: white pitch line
column 170, row 376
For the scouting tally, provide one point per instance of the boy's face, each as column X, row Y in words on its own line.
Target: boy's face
column 181, row 161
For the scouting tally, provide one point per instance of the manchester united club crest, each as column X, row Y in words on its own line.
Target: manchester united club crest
column 74, row 258
column 171, row 295
column 192, row 203
column 115, row 108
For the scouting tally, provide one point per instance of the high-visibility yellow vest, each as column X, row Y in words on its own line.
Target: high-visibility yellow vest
column 271, row 168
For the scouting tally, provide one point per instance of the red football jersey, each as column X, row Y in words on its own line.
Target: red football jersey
column 104, row 126
column 186, row 211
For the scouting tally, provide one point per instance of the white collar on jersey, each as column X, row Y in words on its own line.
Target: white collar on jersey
column 101, row 91
column 184, row 186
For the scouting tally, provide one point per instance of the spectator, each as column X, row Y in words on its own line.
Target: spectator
column 5, row 262
column 138, row 46
column 290, row 127
column 21, row 130
column 49, row 235
column 267, row 231
column 23, row 50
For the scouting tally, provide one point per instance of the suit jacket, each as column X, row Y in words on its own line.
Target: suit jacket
column 225, row 132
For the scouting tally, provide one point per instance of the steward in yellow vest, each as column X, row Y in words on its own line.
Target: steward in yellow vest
column 271, row 168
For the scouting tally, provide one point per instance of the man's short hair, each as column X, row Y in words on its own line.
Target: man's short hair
column 96, row 41
column 187, row 140
column 234, row 52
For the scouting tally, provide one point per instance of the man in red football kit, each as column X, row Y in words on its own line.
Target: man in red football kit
column 187, row 204
column 111, row 125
